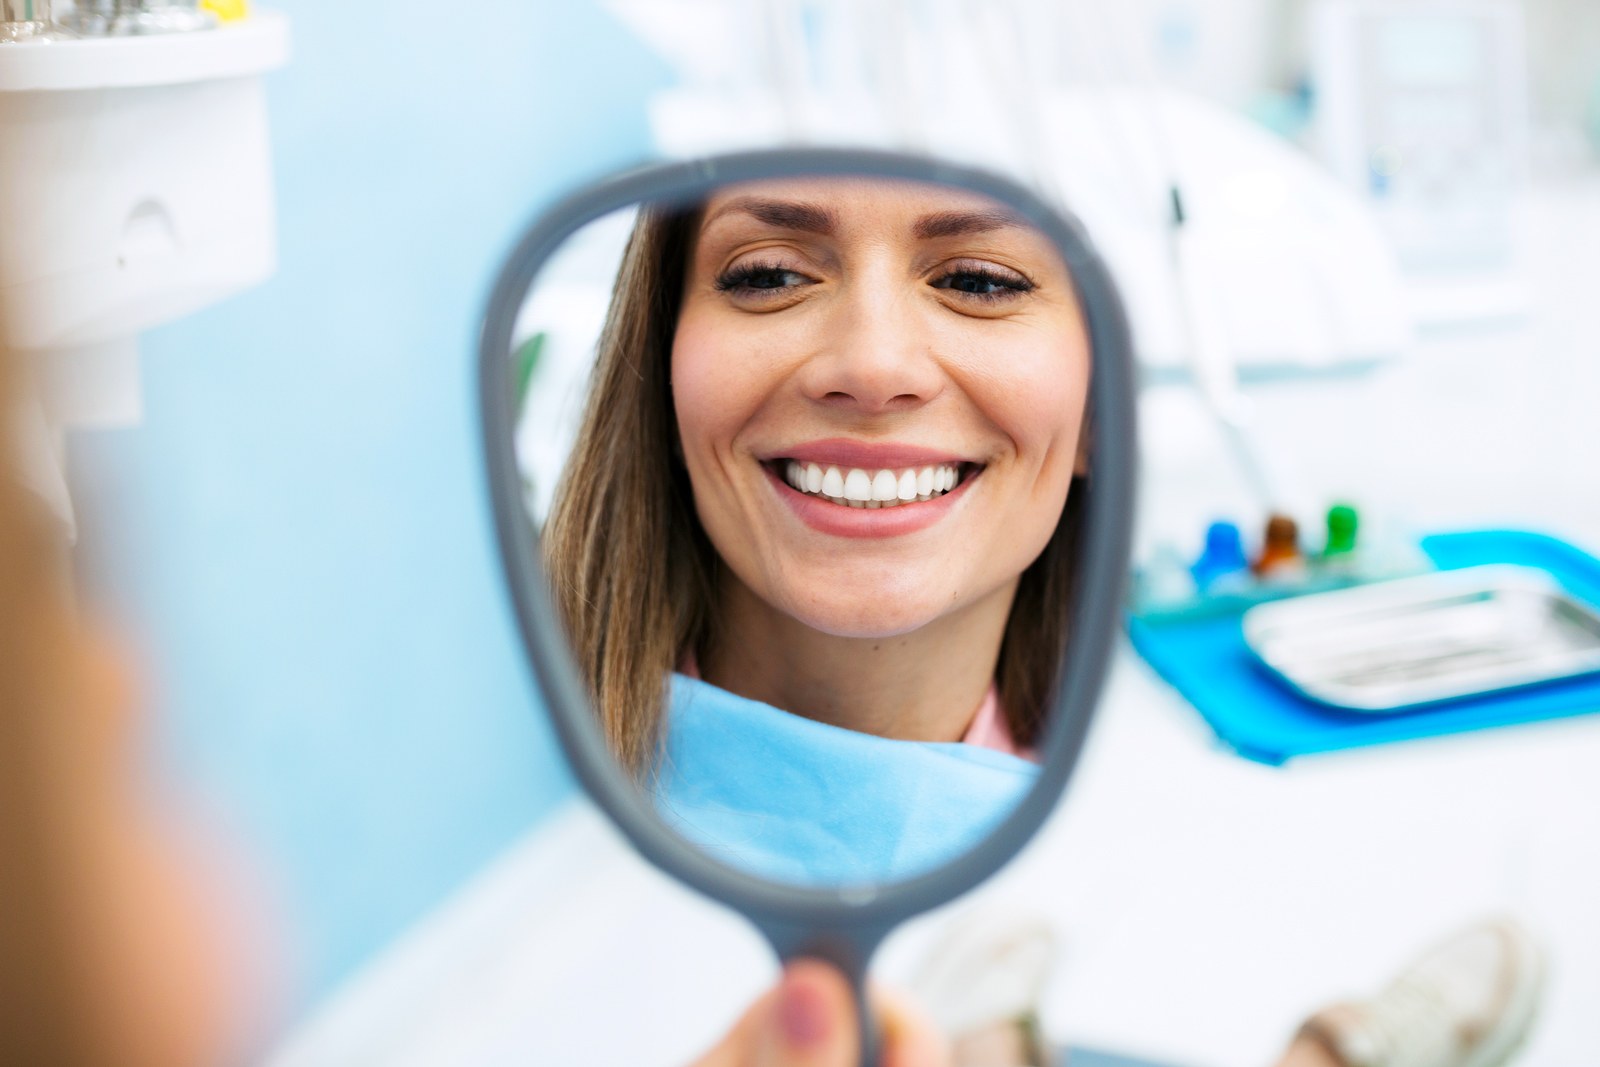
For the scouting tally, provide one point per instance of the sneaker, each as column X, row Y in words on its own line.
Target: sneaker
column 1468, row 1002
column 981, row 982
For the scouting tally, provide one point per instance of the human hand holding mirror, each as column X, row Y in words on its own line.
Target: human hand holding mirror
column 812, row 474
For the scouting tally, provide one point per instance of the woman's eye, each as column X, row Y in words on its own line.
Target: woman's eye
column 760, row 279
column 983, row 283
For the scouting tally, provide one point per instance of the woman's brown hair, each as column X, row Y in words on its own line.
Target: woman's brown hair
column 631, row 569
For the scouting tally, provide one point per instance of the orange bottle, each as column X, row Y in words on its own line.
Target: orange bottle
column 1280, row 549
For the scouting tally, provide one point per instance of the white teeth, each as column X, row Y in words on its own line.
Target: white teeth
column 858, row 488
column 833, row 483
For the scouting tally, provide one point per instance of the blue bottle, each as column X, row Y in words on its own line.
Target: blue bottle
column 1224, row 555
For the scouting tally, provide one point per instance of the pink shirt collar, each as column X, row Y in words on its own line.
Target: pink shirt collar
column 989, row 729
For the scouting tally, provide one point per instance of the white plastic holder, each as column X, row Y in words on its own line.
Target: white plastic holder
column 135, row 189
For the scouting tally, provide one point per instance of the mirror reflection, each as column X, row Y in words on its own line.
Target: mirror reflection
column 808, row 459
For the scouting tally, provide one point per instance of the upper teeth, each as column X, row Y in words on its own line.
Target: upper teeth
column 859, row 488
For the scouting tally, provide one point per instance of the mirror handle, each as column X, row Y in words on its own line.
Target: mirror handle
column 850, row 949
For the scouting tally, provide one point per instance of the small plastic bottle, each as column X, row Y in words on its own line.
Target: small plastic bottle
column 1339, row 557
column 1223, row 557
column 1280, row 558
column 1342, row 525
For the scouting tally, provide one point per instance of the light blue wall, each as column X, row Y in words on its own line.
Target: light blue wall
column 337, row 661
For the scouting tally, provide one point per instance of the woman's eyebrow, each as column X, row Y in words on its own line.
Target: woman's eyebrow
column 785, row 213
column 961, row 223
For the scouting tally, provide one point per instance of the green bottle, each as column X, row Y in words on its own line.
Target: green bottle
column 1342, row 523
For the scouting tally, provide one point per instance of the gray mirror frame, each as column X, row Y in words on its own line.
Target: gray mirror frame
column 843, row 925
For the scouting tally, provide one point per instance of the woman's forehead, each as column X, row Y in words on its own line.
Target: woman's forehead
column 825, row 205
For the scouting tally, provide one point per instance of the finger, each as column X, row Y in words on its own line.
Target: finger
column 909, row 1037
column 808, row 1020
column 812, row 1021
column 738, row 1048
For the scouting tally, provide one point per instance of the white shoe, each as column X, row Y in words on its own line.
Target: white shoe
column 981, row 983
column 1467, row 1002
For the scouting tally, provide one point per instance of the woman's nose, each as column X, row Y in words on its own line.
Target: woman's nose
column 875, row 356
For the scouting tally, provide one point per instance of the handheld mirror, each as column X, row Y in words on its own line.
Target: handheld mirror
column 813, row 475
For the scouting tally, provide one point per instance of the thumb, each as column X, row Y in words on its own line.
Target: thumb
column 812, row 1020
column 808, row 1020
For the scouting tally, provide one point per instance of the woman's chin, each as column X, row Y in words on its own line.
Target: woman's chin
column 868, row 614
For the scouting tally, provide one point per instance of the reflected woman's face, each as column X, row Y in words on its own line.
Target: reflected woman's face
column 880, row 388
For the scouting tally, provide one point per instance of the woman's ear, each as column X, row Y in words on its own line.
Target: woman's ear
column 1080, row 465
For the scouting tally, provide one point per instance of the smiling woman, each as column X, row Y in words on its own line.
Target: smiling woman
column 824, row 601
column 831, row 462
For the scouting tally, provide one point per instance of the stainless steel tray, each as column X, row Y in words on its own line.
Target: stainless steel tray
column 1394, row 645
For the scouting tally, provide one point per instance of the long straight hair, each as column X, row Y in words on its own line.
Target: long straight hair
column 631, row 569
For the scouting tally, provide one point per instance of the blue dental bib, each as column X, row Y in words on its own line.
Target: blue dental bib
column 805, row 803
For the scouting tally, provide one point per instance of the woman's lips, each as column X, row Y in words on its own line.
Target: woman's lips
column 840, row 520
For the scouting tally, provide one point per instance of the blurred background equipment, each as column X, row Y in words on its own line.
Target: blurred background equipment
column 29, row 22
column 127, row 18
column 135, row 189
column 1422, row 107
column 1294, row 270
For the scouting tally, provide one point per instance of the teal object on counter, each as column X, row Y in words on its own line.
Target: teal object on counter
column 1207, row 660
column 811, row 804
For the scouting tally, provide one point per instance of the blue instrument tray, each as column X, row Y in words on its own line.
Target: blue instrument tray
column 1206, row 659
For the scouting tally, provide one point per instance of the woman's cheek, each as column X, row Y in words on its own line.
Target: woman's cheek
column 1036, row 397
column 699, row 383
column 725, row 374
